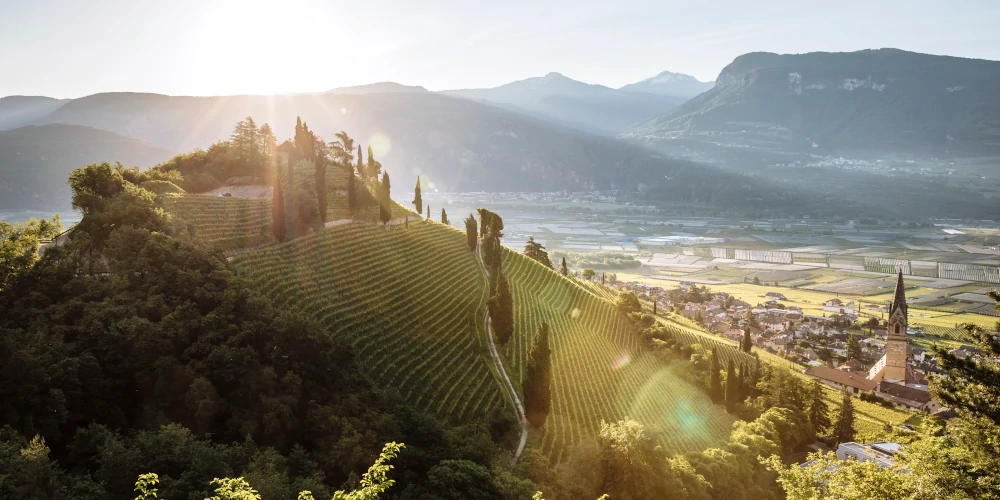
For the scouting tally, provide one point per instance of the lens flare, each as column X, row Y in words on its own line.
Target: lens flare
column 343, row 111
column 380, row 143
column 575, row 313
column 623, row 360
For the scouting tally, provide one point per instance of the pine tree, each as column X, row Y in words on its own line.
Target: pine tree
column 385, row 203
column 352, row 194
column 715, row 379
column 471, row 238
column 538, row 378
column 501, row 309
column 819, row 413
column 563, row 270
column 278, row 211
column 537, row 252
column 747, row 344
column 417, row 201
column 444, row 217
column 843, row 427
column 732, row 388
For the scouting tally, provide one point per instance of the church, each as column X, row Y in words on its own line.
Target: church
column 891, row 378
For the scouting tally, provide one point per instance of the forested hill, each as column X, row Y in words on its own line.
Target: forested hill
column 870, row 101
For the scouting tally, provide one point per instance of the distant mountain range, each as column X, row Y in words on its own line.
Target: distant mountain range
column 592, row 108
column 670, row 83
column 374, row 88
column 35, row 161
column 17, row 110
column 867, row 102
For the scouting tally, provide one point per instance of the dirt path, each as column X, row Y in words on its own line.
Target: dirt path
column 488, row 327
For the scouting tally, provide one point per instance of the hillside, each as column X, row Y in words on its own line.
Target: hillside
column 870, row 101
column 670, row 83
column 17, row 110
column 35, row 161
column 593, row 108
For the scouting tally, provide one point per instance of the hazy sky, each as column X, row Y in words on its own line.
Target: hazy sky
column 71, row 48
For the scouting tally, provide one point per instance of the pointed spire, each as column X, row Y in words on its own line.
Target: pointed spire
column 899, row 297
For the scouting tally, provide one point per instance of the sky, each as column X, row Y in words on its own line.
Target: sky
column 69, row 48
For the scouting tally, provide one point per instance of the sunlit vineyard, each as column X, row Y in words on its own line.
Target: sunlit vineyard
column 225, row 222
column 600, row 369
column 410, row 299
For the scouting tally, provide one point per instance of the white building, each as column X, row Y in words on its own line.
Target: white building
column 882, row 453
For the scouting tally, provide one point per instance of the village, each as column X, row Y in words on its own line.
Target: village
column 845, row 348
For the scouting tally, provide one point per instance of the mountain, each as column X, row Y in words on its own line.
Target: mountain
column 670, row 83
column 35, row 161
column 867, row 102
column 374, row 88
column 593, row 108
column 18, row 110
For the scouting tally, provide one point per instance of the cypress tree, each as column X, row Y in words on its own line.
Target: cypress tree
column 563, row 270
column 428, row 212
column 352, row 193
column 417, row 201
column 278, row 210
column 470, row 232
column 538, row 378
column 715, row 379
column 819, row 413
column 361, row 166
column 654, row 308
column 319, row 159
column 291, row 213
column 843, row 427
column 732, row 397
column 444, row 217
column 747, row 344
column 374, row 167
column 385, row 203
column 501, row 309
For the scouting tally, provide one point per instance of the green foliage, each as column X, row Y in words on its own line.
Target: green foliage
column 819, row 412
column 501, row 307
column 229, row 488
column 853, row 347
column 145, row 486
column 538, row 378
column 417, row 201
column 375, row 481
column 471, row 239
column 732, row 396
column 627, row 302
column 843, row 427
column 715, row 379
column 444, row 217
column 601, row 260
column 374, row 167
column 385, row 200
column 828, row 478
column 587, row 274
column 19, row 245
column 278, row 211
column 161, row 187
column 536, row 251
column 562, row 268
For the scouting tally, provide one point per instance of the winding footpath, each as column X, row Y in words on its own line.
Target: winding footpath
column 488, row 328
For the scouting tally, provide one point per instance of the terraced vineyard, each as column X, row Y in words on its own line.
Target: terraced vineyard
column 600, row 370
column 411, row 299
column 226, row 222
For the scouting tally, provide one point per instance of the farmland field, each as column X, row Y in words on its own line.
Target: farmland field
column 224, row 222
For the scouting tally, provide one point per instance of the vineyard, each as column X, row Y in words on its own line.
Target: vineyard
column 411, row 300
column 225, row 222
column 600, row 369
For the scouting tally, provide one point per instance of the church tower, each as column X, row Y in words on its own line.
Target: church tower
column 892, row 367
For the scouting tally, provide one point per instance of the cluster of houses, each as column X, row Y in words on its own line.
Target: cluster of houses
column 885, row 365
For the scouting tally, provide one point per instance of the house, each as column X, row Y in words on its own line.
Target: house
column 719, row 326
column 882, row 453
column 773, row 325
column 853, row 366
column 911, row 397
column 734, row 334
column 855, row 383
column 965, row 352
column 834, row 302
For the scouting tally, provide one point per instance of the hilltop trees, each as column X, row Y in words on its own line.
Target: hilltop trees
column 588, row 274
column 843, row 426
column 537, row 252
column 444, row 217
column 627, row 302
column 19, row 245
column 538, row 378
column 385, row 201
column 278, row 210
column 563, row 270
column 715, row 379
column 471, row 238
column 417, row 201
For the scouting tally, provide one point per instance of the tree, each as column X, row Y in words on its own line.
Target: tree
column 343, row 150
column 819, row 413
column 563, row 270
column 853, row 347
column 292, row 214
column 732, row 388
column 747, row 344
column 823, row 476
column 588, row 274
column 320, row 159
column 501, row 307
column 352, row 193
column 627, row 302
column 361, row 164
column 538, row 378
column 756, row 280
column 715, row 379
column 374, row 167
column 278, row 211
column 537, row 252
column 428, row 212
column 417, row 201
column 471, row 238
column 444, row 217
column 385, row 202
column 843, row 426
column 19, row 245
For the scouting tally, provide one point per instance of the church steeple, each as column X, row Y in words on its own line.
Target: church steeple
column 899, row 297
